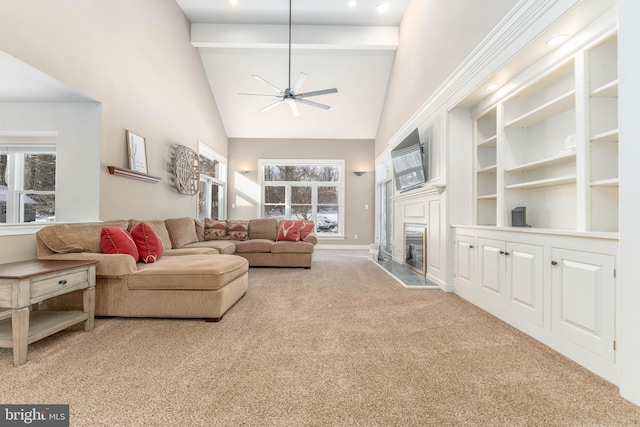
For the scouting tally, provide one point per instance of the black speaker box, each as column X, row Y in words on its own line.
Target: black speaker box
column 519, row 217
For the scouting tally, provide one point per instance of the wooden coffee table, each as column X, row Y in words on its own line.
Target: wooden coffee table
column 23, row 284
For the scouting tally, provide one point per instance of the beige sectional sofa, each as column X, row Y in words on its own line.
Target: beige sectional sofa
column 194, row 277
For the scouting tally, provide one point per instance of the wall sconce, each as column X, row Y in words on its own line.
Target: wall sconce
column 360, row 173
column 243, row 172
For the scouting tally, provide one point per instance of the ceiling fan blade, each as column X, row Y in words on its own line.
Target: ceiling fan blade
column 270, row 106
column 299, row 82
column 268, row 84
column 260, row 94
column 294, row 107
column 315, row 104
column 316, row 93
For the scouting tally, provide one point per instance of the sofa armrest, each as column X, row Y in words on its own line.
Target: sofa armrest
column 109, row 265
column 311, row 238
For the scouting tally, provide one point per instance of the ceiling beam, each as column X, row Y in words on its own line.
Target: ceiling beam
column 303, row 37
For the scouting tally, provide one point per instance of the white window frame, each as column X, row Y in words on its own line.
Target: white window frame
column 314, row 188
column 15, row 148
column 209, row 181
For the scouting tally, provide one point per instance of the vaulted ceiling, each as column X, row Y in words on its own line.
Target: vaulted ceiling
column 350, row 48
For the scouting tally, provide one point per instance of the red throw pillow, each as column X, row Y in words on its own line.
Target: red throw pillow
column 148, row 242
column 290, row 230
column 307, row 228
column 116, row 240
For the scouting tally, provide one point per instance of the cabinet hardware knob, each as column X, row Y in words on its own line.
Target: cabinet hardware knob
column 62, row 282
column 501, row 252
column 507, row 253
column 554, row 262
column 470, row 246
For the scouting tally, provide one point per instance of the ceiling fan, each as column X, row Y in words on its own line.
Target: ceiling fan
column 290, row 95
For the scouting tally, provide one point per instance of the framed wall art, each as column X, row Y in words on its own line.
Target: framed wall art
column 137, row 152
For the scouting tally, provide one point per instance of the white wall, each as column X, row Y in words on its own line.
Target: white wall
column 135, row 59
column 77, row 125
column 434, row 38
column 244, row 191
column 629, row 152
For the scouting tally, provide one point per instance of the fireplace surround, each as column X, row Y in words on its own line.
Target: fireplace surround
column 415, row 247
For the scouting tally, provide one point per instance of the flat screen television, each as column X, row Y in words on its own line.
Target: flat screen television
column 409, row 163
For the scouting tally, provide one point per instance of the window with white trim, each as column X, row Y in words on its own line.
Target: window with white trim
column 27, row 182
column 305, row 189
column 213, row 177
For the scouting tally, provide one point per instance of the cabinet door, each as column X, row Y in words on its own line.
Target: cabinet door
column 463, row 261
column 583, row 299
column 491, row 262
column 524, row 280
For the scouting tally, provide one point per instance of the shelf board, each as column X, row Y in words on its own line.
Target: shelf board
column 608, row 90
column 42, row 324
column 543, row 163
column 608, row 136
column 612, row 182
column 556, row 106
column 489, row 142
column 488, row 197
column 550, row 182
column 114, row 170
column 488, row 169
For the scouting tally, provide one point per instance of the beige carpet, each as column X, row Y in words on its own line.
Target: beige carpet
column 340, row 344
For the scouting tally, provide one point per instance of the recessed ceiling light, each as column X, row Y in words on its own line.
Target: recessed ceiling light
column 233, row 2
column 554, row 41
column 352, row 3
column 381, row 7
column 492, row 86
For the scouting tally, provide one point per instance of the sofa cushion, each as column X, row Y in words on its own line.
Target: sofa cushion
column 289, row 230
column 254, row 245
column 117, row 240
column 195, row 272
column 263, row 228
column 215, row 229
column 237, row 229
column 148, row 242
column 200, row 229
column 285, row 247
column 75, row 238
column 307, row 228
column 188, row 250
column 158, row 226
column 222, row 246
column 182, row 231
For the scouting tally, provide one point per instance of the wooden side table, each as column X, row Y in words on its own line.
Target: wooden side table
column 23, row 284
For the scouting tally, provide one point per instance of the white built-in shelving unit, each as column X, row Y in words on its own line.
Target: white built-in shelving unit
column 548, row 141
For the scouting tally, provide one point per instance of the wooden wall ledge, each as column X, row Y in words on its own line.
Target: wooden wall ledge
column 114, row 170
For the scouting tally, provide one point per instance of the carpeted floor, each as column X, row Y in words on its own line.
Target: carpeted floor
column 339, row 344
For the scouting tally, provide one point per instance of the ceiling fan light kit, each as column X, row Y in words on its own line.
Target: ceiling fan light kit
column 290, row 95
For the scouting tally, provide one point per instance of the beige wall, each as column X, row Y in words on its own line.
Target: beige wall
column 135, row 58
column 434, row 38
column 357, row 154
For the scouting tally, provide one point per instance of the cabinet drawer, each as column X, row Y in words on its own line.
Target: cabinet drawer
column 59, row 284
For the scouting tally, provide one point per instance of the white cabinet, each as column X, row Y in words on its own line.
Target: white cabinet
column 583, row 299
column 464, row 260
column 560, row 288
column 511, row 276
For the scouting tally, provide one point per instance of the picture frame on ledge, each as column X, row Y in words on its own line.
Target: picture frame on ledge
column 137, row 152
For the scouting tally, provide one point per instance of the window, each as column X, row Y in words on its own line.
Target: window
column 213, row 175
column 305, row 189
column 27, row 183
